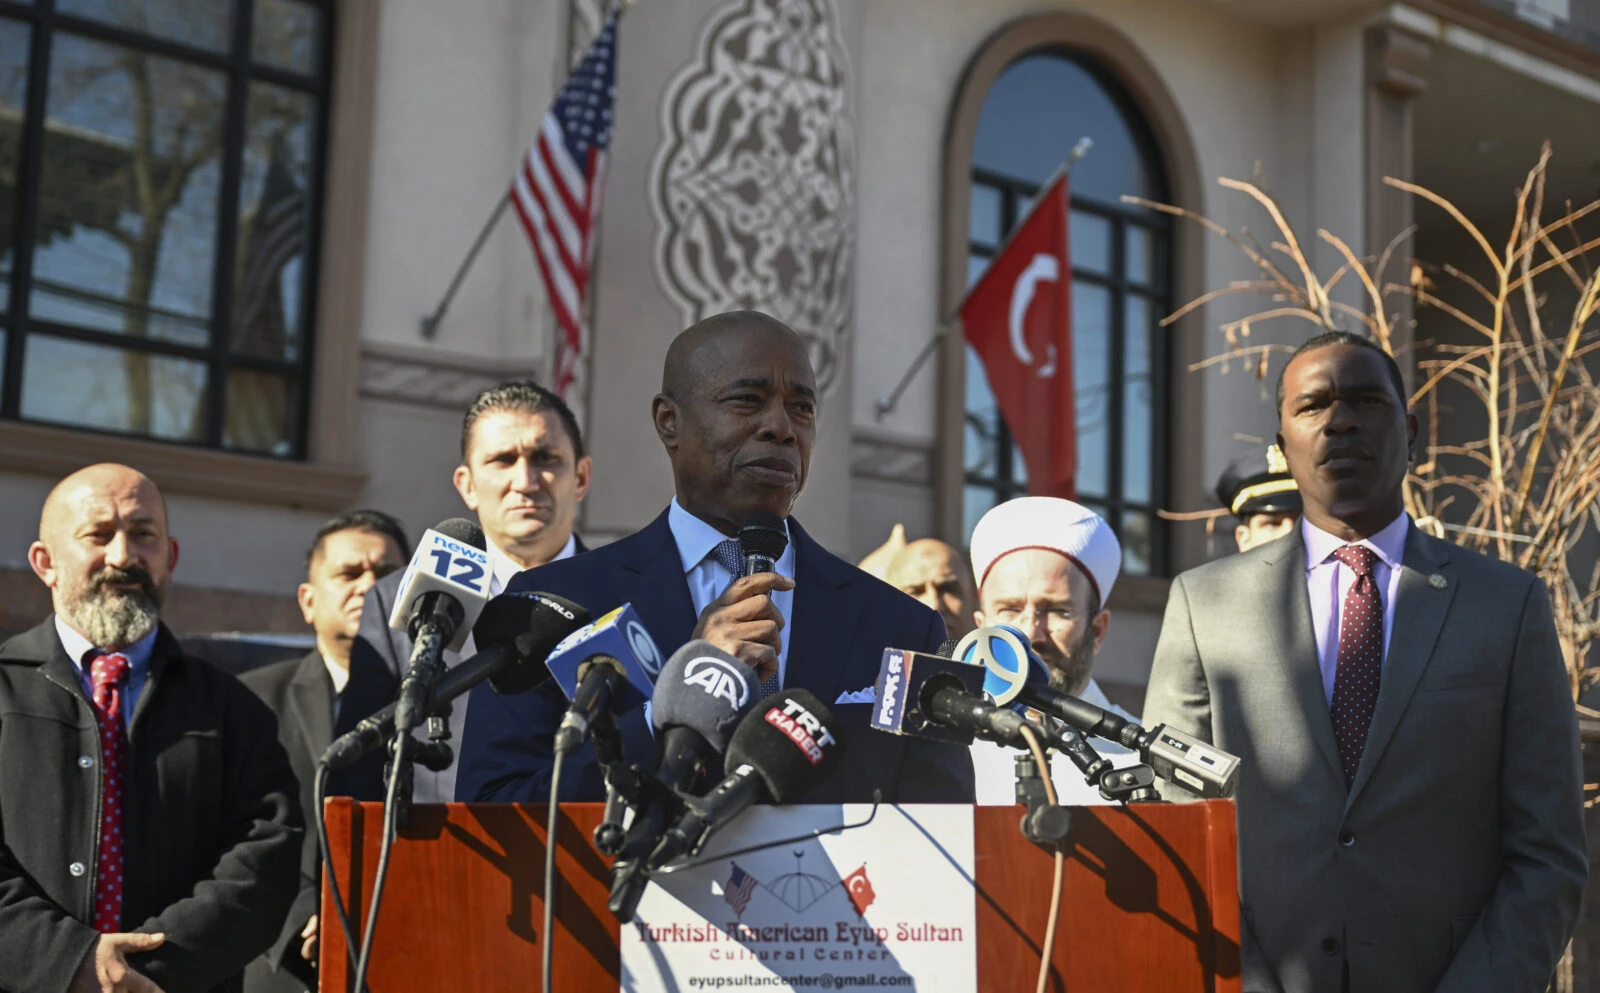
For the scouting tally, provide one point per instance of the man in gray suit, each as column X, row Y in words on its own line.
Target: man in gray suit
column 1409, row 804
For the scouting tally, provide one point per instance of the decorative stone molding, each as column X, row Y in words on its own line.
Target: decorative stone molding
column 891, row 458
column 753, row 184
column 431, row 378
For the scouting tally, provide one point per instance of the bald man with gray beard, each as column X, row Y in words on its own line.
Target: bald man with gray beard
column 149, row 832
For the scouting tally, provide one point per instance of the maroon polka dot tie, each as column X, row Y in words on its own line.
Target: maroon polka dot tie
column 106, row 673
column 1360, row 663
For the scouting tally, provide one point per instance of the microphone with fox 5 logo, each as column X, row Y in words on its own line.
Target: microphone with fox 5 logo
column 441, row 594
column 700, row 695
column 1016, row 675
column 610, row 664
column 929, row 696
column 780, row 752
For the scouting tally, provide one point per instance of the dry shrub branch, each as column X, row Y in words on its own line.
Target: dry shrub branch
column 1526, row 492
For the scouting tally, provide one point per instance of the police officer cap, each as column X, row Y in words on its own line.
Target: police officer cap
column 1259, row 483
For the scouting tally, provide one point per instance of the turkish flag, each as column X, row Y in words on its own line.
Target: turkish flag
column 860, row 889
column 1018, row 318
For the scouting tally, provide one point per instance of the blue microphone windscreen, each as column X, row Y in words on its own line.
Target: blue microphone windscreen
column 1003, row 653
column 622, row 636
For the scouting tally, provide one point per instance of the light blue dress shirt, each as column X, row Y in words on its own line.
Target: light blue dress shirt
column 707, row 577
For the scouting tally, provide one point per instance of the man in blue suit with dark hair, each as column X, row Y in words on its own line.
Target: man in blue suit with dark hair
column 737, row 415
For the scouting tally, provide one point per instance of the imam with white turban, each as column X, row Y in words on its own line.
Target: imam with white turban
column 1089, row 544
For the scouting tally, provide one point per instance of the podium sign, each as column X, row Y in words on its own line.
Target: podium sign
column 887, row 904
column 1150, row 903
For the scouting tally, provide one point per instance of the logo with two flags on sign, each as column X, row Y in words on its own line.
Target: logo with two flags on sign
column 798, row 890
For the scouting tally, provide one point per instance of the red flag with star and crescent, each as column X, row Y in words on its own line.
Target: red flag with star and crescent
column 860, row 889
column 1018, row 318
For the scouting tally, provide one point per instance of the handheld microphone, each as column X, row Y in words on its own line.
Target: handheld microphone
column 762, row 539
column 700, row 695
column 928, row 696
column 779, row 753
column 517, row 629
column 609, row 664
column 443, row 589
column 1016, row 676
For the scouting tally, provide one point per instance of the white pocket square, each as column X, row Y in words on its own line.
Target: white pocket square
column 866, row 695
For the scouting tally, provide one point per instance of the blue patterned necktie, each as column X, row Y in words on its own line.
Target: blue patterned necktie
column 730, row 556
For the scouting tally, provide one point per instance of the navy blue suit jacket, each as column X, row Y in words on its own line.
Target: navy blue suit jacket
column 843, row 620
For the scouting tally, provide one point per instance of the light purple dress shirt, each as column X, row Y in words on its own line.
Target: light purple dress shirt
column 1328, row 580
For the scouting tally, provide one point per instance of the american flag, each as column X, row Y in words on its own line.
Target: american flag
column 277, row 235
column 557, row 190
column 738, row 888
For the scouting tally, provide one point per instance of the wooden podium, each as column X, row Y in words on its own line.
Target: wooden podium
column 1150, row 901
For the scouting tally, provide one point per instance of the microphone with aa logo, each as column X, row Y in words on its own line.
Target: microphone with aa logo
column 442, row 592
column 700, row 695
column 941, row 699
column 1017, row 677
column 610, row 664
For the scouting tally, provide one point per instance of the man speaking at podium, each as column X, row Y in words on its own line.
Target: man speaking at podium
column 1409, row 802
column 737, row 415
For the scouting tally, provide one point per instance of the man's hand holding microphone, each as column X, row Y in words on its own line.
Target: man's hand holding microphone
column 745, row 623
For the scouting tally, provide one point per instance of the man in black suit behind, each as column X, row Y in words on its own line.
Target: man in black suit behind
column 737, row 415
column 523, row 472
column 148, row 824
column 319, row 698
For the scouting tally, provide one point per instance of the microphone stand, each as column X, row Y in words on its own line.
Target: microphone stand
column 1049, row 824
column 1132, row 784
column 406, row 751
column 1045, row 823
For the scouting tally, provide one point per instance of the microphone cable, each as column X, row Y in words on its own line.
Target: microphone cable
column 319, row 790
column 552, row 824
column 1039, row 756
column 390, row 805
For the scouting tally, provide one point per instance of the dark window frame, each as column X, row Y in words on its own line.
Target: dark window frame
column 1013, row 193
column 241, row 70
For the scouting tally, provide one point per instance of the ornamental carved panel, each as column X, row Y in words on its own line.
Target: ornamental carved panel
column 753, row 184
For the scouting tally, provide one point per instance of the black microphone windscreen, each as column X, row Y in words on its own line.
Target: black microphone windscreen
column 947, row 648
column 792, row 742
column 702, row 688
column 532, row 624
column 763, row 534
column 462, row 530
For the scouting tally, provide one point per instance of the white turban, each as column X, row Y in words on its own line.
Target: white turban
column 1052, row 523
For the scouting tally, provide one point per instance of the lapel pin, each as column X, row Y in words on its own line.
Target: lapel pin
column 1437, row 581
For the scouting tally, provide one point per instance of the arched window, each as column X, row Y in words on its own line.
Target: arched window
column 1032, row 116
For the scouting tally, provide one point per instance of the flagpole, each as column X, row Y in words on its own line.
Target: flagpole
column 888, row 403
column 430, row 324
